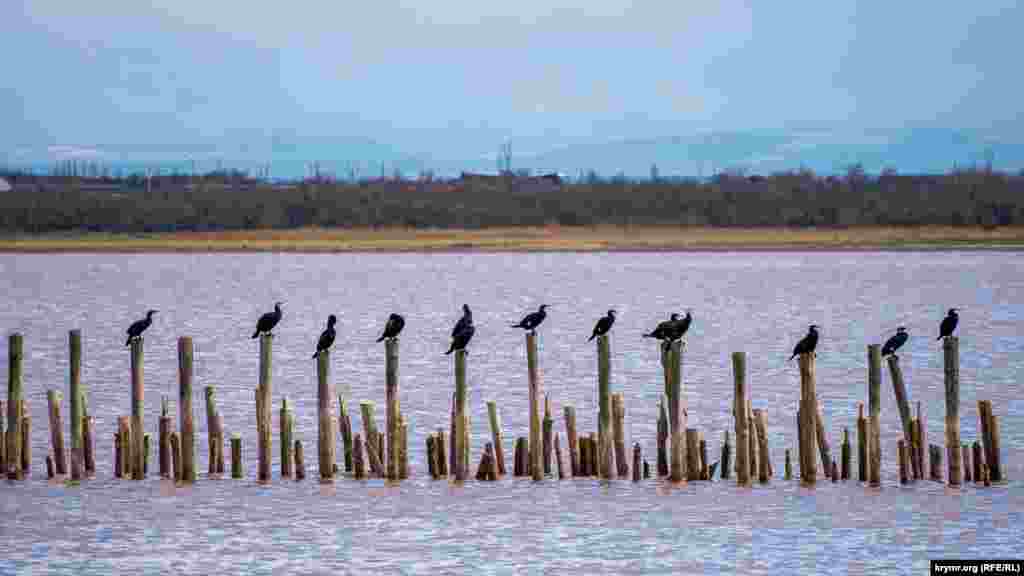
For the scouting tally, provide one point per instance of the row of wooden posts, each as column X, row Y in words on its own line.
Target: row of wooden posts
column 681, row 451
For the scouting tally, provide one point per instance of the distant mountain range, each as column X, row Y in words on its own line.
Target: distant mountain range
column 914, row 150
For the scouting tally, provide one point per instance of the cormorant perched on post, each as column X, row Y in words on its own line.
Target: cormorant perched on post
column 393, row 327
column 893, row 344
column 948, row 324
column 679, row 328
column 139, row 326
column 662, row 330
column 533, row 319
column 463, row 331
column 326, row 337
column 268, row 321
column 603, row 325
column 808, row 343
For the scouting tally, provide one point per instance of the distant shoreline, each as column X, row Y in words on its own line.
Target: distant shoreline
column 605, row 238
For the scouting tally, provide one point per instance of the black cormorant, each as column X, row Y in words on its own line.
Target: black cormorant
column 461, row 338
column 326, row 337
column 679, row 328
column 603, row 325
column 808, row 343
column 268, row 321
column 893, row 344
column 662, row 330
column 948, row 324
column 466, row 320
column 139, row 326
column 393, row 328
column 533, row 319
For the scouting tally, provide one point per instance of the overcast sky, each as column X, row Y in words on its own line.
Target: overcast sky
column 454, row 79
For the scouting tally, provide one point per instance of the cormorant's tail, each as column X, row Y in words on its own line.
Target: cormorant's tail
column 520, row 325
column 128, row 341
column 255, row 334
column 791, row 357
column 592, row 336
column 651, row 335
column 450, row 349
column 939, row 338
column 381, row 339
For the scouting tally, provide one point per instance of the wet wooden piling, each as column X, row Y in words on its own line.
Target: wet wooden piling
column 558, row 457
column 824, row 448
column 704, row 473
column 647, row 470
column 595, row 454
column 3, row 440
column 372, row 437
column 547, row 429
column 403, row 457
column 920, row 440
column 966, row 458
column 442, row 460
column 874, row 413
column 359, row 469
column 345, row 428
column 572, row 440
column 902, row 403
column 185, row 423
column 726, row 459
column 461, row 468
column 739, row 408
column 164, row 440
column 13, row 436
column 519, row 457
column 236, row 456
column 754, row 455
column 392, row 409
column 809, row 417
column 53, row 401
column 605, row 444
column 663, row 435
column 284, row 426
column 951, row 363
column 88, row 452
column 862, row 444
column 75, row 404
column 692, row 454
column 138, row 396
column 789, row 466
column 176, row 456
column 990, row 440
column 935, row 462
column 325, row 425
column 264, row 408
column 26, row 440
column 431, row 457
column 678, row 461
column 636, row 461
column 124, row 430
column 497, row 439
column 49, row 467
column 213, row 432
column 536, row 394
column 300, row 461
column 619, row 434
column 995, row 466
column 901, row 455
column 977, row 460
column 846, row 454
column 764, row 460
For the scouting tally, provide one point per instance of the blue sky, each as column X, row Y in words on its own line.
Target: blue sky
column 449, row 81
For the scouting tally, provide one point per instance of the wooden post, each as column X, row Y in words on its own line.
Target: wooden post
column 138, row 392
column 584, row 465
column 547, row 428
column 978, row 460
column 570, row 435
column 431, row 457
column 692, row 455
column 300, row 462
column 236, row 456
column 834, row 472
column 285, row 430
column 704, row 474
column 372, row 437
column 145, row 454
column 442, row 460
column 187, row 438
column 619, row 433
column 461, row 432
column 49, row 467
column 496, row 437
column 862, row 444
column 211, row 429
column 13, row 437
column 558, row 457
column 345, row 426
column 75, row 401
column 822, row 438
column 920, row 432
column 647, row 470
column 679, row 469
column 636, row 462
column 452, row 438
column 220, row 443
column 392, row 407
column 994, row 466
column 663, row 431
column 124, row 429
column 874, row 412
column 935, row 461
column 164, row 440
column 754, row 456
column 53, row 400
column 605, row 441
column 3, row 441
column 519, row 457
column 789, row 466
column 176, row 456
column 26, row 440
column 902, row 403
column 536, row 393
column 739, row 407
column 951, row 361
column 403, row 460
column 986, row 474
column 325, row 429
column 357, row 457
column 595, row 455
column 87, row 445
column 846, row 453
column 901, row 452
column 264, row 408
column 118, row 453
column 763, row 460
column 726, row 456
column 966, row 454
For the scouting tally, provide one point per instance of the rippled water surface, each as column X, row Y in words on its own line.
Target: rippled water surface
column 760, row 303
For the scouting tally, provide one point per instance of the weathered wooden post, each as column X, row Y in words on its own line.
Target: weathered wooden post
column 519, row 457
column 822, row 438
column 26, row 440
column 573, row 441
column 874, row 413
column 676, row 416
column 726, row 456
column 902, row 403
column 461, row 432
column 966, row 455
column 636, row 462
column 835, row 472
column 220, row 443
column 547, row 428
column 393, row 408
column 285, row 430
column 3, row 441
column 754, row 456
column 14, row 354
column 263, row 408
column 862, row 444
column 763, row 460
column 325, row 430
column 558, row 458
column 187, row 437
column 176, row 456
column 138, row 392
column 403, row 461
column 345, row 427
column 373, row 451
column 663, row 432
column 977, row 460
column 300, row 462
column 951, row 361
column 49, row 467
column 236, row 456
column 164, row 439
column 935, row 462
column 921, row 439
column 442, row 460
column 789, row 466
column 994, row 465
column 739, row 408
column 357, row 457
column 145, row 454
column 536, row 454
column 496, row 437
column 53, row 401
column 605, row 443
column 75, row 401
column 692, row 455
column 87, row 445
column 211, row 429
column 595, row 455
column 619, row 434
column 124, row 429
column 809, row 417
column 901, row 454
column 846, row 454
